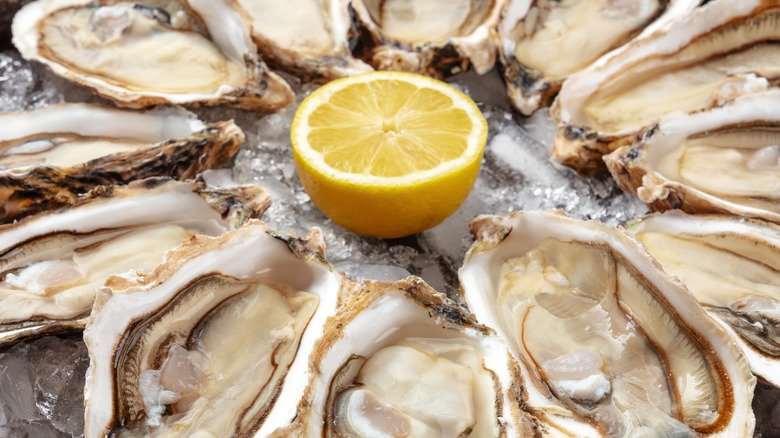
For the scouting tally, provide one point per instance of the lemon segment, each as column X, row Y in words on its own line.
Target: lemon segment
column 388, row 154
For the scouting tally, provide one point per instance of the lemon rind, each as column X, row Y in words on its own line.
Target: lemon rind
column 475, row 141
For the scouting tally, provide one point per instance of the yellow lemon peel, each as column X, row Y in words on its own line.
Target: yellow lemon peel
column 388, row 154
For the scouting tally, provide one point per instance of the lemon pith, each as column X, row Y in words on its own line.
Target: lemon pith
column 388, row 154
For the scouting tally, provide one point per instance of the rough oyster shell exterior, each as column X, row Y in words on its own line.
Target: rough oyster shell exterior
column 179, row 146
column 138, row 320
column 469, row 41
column 378, row 317
column 51, row 262
column 242, row 79
column 716, row 53
column 743, row 136
column 540, row 269
column 308, row 38
column 543, row 42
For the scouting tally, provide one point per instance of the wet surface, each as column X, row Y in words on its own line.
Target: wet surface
column 41, row 381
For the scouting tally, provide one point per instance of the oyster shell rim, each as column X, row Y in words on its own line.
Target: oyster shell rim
column 630, row 165
column 242, row 240
column 493, row 232
column 249, row 96
column 233, row 205
column 580, row 146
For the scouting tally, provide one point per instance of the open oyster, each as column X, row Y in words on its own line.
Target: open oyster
column 543, row 42
column 51, row 264
column 309, row 38
column 725, row 160
column 146, row 52
column 732, row 266
column 50, row 156
column 214, row 342
column 718, row 52
column 433, row 37
column 611, row 345
column 402, row 360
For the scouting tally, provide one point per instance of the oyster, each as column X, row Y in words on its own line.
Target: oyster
column 309, row 38
column 144, row 53
column 402, row 360
column 50, row 156
column 716, row 53
column 732, row 266
column 725, row 160
column 432, row 37
column 51, row 264
column 611, row 345
column 212, row 341
column 543, row 42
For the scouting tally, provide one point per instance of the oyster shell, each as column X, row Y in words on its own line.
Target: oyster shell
column 50, row 156
column 732, row 266
column 7, row 10
column 51, row 264
column 213, row 342
column 716, row 53
column 432, row 37
column 400, row 359
column 543, row 42
column 144, row 53
column 611, row 345
column 725, row 160
column 308, row 38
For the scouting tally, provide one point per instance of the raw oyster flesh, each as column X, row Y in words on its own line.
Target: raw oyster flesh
column 144, row 53
column 718, row 52
column 433, row 37
column 50, row 156
column 214, row 342
column 402, row 360
column 612, row 345
column 732, row 266
column 309, row 38
column 543, row 42
column 725, row 160
column 51, row 264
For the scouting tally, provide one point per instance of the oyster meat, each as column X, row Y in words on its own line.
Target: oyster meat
column 144, row 53
column 213, row 342
column 51, row 264
column 725, row 160
column 402, row 360
column 50, row 156
column 719, row 51
column 543, row 42
column 309, row 38
column 732, row 266
column 611, row 345
column 433, row 37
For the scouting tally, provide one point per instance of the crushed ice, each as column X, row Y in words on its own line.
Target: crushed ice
column 41, row 381
column 41, row 388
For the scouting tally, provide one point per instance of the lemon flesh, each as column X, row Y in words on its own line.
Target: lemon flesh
column 388, row 154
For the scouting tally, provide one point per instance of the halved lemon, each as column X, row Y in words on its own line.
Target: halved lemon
column 388, row 154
